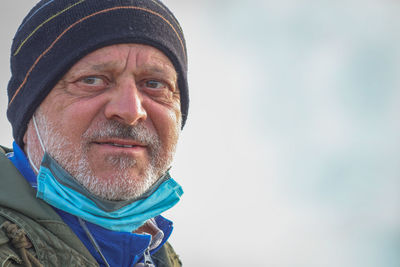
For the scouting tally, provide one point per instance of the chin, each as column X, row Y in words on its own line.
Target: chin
column 116, row 184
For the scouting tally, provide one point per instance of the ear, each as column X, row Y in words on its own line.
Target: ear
column 25, row 138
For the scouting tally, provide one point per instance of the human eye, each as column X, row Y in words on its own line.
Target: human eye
column 92, row 81
column 155, row 85
column 158, row 89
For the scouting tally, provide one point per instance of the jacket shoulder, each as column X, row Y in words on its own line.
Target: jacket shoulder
column 18, row 231
column 166, row 257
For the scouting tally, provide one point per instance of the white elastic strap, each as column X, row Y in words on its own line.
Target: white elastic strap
column 37, row 133
column 93, row 241
column 31, row 162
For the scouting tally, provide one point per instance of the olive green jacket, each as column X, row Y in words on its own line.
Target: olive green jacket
column 33, row 234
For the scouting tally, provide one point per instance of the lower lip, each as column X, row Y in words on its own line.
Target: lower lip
column 119, row 149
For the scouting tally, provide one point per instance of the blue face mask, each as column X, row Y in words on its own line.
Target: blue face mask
column 58, row 188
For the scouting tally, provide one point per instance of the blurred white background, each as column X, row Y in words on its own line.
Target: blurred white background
column 290, row 156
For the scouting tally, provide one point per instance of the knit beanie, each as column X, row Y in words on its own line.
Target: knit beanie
column 57, row 33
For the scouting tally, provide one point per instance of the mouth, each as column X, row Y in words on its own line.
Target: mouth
column 115, row 144
column 120, row 143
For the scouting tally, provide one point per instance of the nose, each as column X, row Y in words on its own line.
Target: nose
column 125, row 104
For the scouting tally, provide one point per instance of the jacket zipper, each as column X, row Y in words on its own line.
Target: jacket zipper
column 147, row 258
column 148, row 262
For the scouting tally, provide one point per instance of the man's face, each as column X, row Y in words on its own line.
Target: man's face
column 112, row 121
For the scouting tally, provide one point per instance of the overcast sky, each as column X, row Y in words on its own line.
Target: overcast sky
column 290, row 155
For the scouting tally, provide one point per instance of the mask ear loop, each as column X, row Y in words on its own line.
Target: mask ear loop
column 31, row 162
column 40, row 141
column 37, row 133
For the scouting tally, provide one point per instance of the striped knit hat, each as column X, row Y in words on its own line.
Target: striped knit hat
column 57, row 33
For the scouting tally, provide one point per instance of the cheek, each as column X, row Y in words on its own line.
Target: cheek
column 167, row 124
column 67, row 109
column 74, row 119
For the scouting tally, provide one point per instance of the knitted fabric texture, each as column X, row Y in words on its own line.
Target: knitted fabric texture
column 57, row 33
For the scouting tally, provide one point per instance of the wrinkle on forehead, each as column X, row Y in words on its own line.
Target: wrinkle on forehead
column 152, row 60
column 139, row 57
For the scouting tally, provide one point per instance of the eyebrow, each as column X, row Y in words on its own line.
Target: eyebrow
column 161, row 70
column 149, row 68
column 103, row 66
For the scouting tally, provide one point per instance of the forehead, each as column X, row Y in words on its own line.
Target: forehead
column 126, row 55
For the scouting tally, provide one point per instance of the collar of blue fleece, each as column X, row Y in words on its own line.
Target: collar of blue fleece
column 119, row 248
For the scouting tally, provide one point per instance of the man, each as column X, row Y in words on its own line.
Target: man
column 97, row 99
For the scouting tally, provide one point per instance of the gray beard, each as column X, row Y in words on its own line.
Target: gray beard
column 122, row 186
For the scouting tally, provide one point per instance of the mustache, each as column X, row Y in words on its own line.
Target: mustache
column 115, row 129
